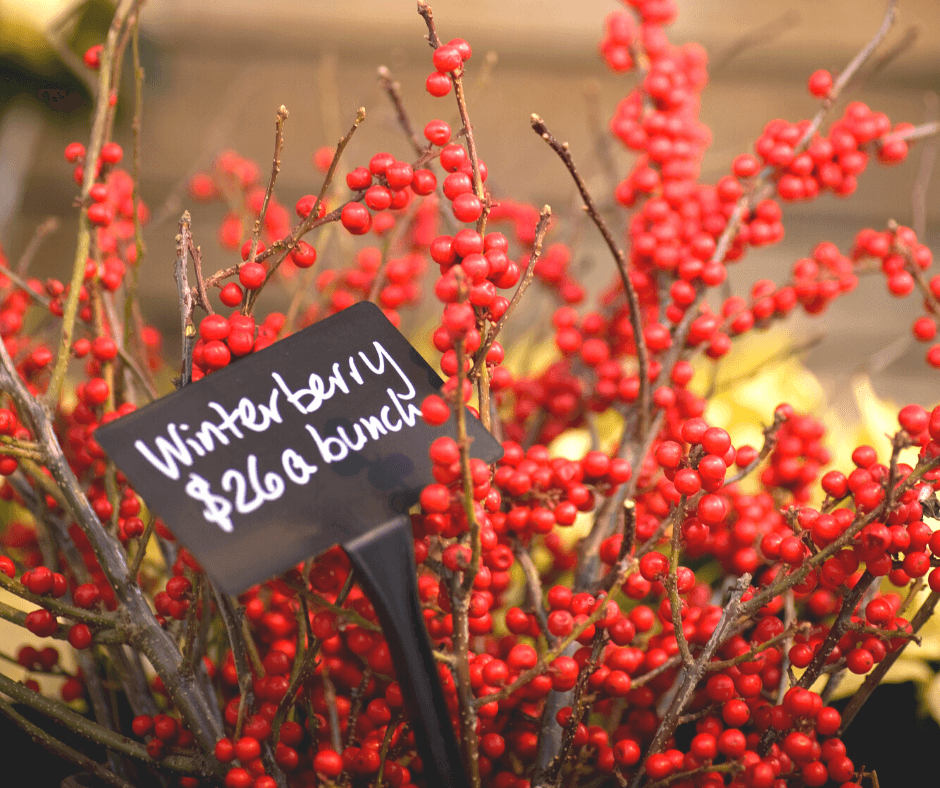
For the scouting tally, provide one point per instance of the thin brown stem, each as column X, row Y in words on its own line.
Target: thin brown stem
column 181, row 275
column 620, row 258
column 279, row 121
column 393, row 90
column 533, row 589
column 44, row 229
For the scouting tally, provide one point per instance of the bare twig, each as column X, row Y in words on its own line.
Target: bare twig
column 918, row 132
column 181, row 275
column 928, row 158
column 533, row 589
column 45, row 228
column 759, row 36
column 393, row 89
column 770, row 441
column 620, row 258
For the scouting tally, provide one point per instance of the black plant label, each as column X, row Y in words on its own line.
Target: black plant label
column 313, row 441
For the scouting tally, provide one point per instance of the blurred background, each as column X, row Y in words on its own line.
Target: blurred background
column 217, row 70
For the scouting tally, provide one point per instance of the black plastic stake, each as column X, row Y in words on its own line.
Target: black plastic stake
column 384, row 561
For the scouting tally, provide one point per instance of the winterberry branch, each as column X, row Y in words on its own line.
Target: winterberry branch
column 141, row 552
column 732, row 767
column 917, row 132
column 356, row 707
column 232, row 620
column 547, row 658
column 748, row 656
column 310, row 222
column 283, row 246
column 303, row 668
column 671, row 582
column 874, row 678
column 456, row 77
column 540, row 230
column 579, row 707
column 346, row 613
column 776, row 588
column 460, row 607
column 146, row 634
column 24, row 286
column 59, row 607
column 860, row 59
column 690, row 677
column 329, row 695
column 836, row 631
column 133, row 320
column 99, row 132
column 673, row 662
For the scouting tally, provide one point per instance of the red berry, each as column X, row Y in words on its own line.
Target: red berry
column 913, row 419
column 100, row 214
column 247, row 749
column 111, row 153
column 399, row 175
column 328, row 763
column 447, row 58
column 231, row 295
column 437, row 132
column 467, row 207
column 41, row 623
column 820, row 83
column 80, row 636
column 214, row 327
column 92, row 57
column 355, row 218
column 435, row 411
column 453, row 157
column 252, row 275
column 438, row 84
column 360, row 178
column 142, row 725
column 424, row 182
column 462, row 47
